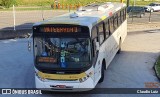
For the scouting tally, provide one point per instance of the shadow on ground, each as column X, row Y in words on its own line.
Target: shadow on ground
column 22, row 31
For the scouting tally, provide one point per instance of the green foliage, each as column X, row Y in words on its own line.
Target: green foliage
column 158, row 66
column 31, row 3
column 8, row 3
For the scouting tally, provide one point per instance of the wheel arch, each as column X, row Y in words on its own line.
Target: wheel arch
column 104, row 63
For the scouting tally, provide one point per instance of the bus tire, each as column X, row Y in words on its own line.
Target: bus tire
column 120, row 42
column 102, row 75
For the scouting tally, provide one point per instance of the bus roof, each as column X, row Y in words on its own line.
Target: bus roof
column 87, row 16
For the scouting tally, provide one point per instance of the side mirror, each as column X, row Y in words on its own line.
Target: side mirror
column 29, row 46
column 29, row 42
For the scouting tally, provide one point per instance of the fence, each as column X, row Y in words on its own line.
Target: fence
column 147, row 18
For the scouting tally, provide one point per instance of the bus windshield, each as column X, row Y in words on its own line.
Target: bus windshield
column 62, row 52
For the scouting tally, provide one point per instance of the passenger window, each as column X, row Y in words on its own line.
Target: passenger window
column 115, row 21
column 94, row 47
column 125, row 10
column 101, row 32
column 111, row 29
column 122, row 15
column 119, row 18
column 94, row 32
column 107, row 28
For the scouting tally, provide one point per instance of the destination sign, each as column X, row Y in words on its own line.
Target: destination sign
column 60, row 29
column 47, row 59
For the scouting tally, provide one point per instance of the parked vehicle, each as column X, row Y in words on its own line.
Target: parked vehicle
column 129, row 8
column 136, row 11
column 153, row 7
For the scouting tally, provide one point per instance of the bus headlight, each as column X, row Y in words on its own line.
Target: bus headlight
column 86, row 77
column 40, row 78
column 83, row 79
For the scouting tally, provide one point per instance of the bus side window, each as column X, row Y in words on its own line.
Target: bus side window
column 107, row 28
column 94, row 51
column 122, row 16
column 94, row 32
column 94, row 38
column 111, row 25
column 115, row 22
column 101, row 33
column 125, row 10
column 119, row 18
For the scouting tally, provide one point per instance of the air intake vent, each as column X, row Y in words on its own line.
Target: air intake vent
column 74, row 15
column 105, row 7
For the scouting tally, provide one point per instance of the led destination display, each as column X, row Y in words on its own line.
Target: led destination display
column 60, row 29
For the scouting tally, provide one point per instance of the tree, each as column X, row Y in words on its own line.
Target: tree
column 8, row 3
column 0, row 1
column 127, row 3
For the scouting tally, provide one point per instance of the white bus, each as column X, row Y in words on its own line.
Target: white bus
column 72, row 51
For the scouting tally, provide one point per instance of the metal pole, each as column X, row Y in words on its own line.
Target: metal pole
column 150, row 17
column 134, row 2
column 42, row 14
column 14, row 19
column 127, row 3
column 132, row 17
column 69, row 7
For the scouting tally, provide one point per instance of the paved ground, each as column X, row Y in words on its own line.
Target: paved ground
column 130, row 69
column 141, row 24
column 25, row 19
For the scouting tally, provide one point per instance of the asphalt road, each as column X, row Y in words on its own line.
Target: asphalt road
column 130, row 69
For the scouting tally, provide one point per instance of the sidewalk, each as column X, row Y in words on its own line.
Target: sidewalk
column 143, row 26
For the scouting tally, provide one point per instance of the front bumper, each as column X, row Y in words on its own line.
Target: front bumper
column 69, row 86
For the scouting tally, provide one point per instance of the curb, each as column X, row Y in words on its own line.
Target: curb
column 10, row 34
column 144, row 23
column 155, row 69
column 142, row 30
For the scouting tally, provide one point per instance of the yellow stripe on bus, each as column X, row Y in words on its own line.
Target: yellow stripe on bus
column 102, row 18
column 61, row 76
